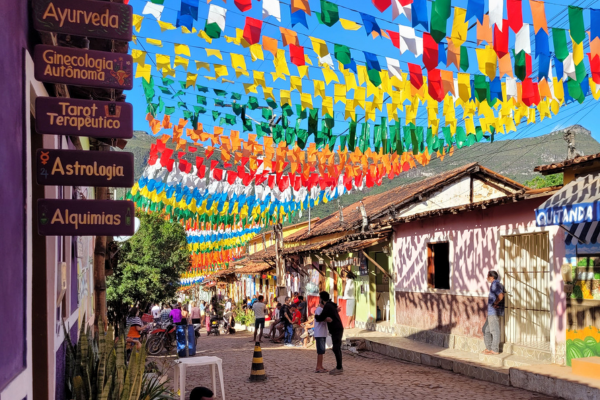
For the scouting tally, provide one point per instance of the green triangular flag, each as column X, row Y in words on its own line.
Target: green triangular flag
column 342, row 54
column 253, row 103
column 576, row 26
column 199, row 109
column 332, row 141
column 272, row 104
column 148, row 89
column 561, row 51
column 328, row 122
column 219, row 103
column 461, row 137
column 313, row 121
column 248, row 125
column 580, row 72
column 169, row 110
column 213, row 30
column 267, row 113
column 290, row 136
column 329, row 13
column 187, row 114
column 287, row 109
column 464, row 58
column 215, row 115
column 343, row 140
column 374, row 77
column 352, row 136
column 183, row 84
column 222, row 121
column 220, row 93
column 167, row 81
column 201, row 100
column 181, row 104
column 302, row 138
column 201, row 88
column 231, row 120
column 164, row 90
column 236, row 96
column 482, row 87
column 161, row 104
column 520, row 64
column 377, row 137
column 575, row 90
column 237, row 108
column 301, row 113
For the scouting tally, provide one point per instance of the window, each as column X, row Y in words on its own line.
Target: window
column 438, row 265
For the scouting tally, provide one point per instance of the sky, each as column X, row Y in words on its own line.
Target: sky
column 358, row 41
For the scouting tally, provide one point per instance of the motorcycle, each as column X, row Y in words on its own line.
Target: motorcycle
column 161, row 338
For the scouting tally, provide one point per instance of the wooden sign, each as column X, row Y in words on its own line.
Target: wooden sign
column 85, row 217
column 99, row 19
column 83, row 67
column 75, row 117
column 84, row 168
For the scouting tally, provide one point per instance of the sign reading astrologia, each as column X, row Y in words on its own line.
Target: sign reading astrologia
column 100, row 19
column 85, row 217
column 75, row 117
column 84, row 168
column 82, row 67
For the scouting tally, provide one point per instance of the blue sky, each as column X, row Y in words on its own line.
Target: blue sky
column 358, row 41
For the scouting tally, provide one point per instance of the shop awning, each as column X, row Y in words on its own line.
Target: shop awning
column 576, row 203
column 585, row 233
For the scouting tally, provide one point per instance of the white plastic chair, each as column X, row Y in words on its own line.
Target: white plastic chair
column 181, row 370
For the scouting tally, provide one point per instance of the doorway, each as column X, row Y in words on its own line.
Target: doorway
column 527, row 285
column 382, row 285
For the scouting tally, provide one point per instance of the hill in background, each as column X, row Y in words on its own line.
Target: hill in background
column 514, row 159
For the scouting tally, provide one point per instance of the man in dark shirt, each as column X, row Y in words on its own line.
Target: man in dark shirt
column 331, row 314
column 491, row 328
column 302, row 308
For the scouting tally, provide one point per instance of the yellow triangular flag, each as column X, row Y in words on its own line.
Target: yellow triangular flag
column 238, row 62
column 329, row 75
column 139, row 57
column 166, row 26
column 221, row 70
column 303, row 71
column 350, row 25
column 202, row 64
column 182, row 49
column 181, row 61
column 296, row 84
column 163, row 62
column 143, row 71
column 204, row 36
column 256, row 52
column 154, row 42
column 190, row 80
column 137, row 22
column 214, row 52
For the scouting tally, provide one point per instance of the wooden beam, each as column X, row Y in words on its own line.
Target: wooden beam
column 378, row 266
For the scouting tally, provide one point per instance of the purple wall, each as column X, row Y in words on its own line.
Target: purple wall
column 13, row 30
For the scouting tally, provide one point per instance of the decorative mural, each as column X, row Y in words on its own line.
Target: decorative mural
column 583, row 343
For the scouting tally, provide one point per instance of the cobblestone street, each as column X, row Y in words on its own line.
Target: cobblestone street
column 291, row 376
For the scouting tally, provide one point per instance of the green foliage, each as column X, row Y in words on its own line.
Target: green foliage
column 540, row 182
column 243, row 317
column 96, row 369
column 150, row 264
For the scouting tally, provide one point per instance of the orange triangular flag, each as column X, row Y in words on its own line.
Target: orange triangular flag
column 270, row 45
column 505, row 65
column 538, row 12
column 484, row 31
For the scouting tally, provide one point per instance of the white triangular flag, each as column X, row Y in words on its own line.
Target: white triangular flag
column 523, row 40
column 153, row 9
column 569, row 68
column 398, row 9
column 394, row 67
column 496, row 8
column 216, row 15
column 511, row 87
column 271, row 8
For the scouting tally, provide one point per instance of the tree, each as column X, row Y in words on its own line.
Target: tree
column 150, row 265
column 540, row 182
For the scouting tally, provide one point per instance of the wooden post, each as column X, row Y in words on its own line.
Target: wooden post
column 279, row 260
column 99, row 260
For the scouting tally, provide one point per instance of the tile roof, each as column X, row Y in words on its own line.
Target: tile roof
column 558, row 167
column 377, row 205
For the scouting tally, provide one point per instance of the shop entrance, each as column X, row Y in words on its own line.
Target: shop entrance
column 527, row 285
column 382, row 284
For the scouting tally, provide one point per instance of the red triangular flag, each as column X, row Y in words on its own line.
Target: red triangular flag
column 382, row 5
column 243, row 5
column 416, row 75
column 297, row 55
column 514, row 10
column 252, row 30
column 430, row 51
column 500, row 40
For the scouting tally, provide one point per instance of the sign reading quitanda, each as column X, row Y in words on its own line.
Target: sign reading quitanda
column 83, row 67
column 75, row 117
column 85, row 217
column 100, row 19
column 84, row 168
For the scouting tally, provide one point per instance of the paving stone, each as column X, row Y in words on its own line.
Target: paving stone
column 367, row 375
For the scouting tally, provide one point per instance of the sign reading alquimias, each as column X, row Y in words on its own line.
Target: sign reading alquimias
column 100, row 19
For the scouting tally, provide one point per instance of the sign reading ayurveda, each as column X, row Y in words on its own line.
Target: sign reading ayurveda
column 85, row 217
column 65, row 116
column 84, row 168
column 83, row 67
column 100, row 19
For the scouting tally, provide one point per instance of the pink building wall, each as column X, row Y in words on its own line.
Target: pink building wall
column 474, row 249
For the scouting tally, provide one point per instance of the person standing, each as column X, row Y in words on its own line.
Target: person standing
column 165, row 314
column 202, row 308
column 302, row 308
column 195, row 313
column 260, row 309
column 491, row 328
column 176, row 315
column 331, row 314
column 155, row 313
column 320, row 335
column 228, row 305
